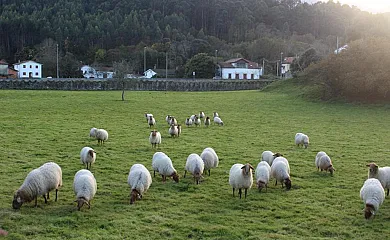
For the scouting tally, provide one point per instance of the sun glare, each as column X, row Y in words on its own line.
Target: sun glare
column 374, row 6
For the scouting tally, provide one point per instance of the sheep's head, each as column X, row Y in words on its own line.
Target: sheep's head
column 80, row 203
column 261, row 185
column 175, row 177
column 277, row 155
column 134, row 195
column 369, row 211
column 287, row 182
column 18, row 200
column 91, row 152
column 150, row 117
column 373, row 169
column 306, row 142
column 154, row 133
column 247, row 169
column 331, row 169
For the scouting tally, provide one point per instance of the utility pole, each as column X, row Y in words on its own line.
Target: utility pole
column 263, row 68
column 144, row 60
column 166, row 64
column 281, row 65
column 277, row 68
column 337, row 45
column 58, row 75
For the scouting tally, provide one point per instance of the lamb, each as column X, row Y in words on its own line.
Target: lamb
column 151, row 121
column 201, row 115
column 301, row 138
column 324, row 162
column 207, row 122
column 218, row 121
column 280, row 170
column 173, row 131
column 210, row 159
column 240, row 176
column 92, row 132
column 195, row 166
column 163, row 164
column 262, row 174
column 101, row 136
column 39, row 182
column 197, row 121
column 382, row 174
column 84, row 187
column 269, row 156
column 373, row 195
column 147, row 116
column 139, row 180
column 155, row 138
column 87, row 156
column 188, row 122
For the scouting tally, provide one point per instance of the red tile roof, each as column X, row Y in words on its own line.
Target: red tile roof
column 229, row 63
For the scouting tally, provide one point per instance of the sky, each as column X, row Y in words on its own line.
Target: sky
column 373, row 6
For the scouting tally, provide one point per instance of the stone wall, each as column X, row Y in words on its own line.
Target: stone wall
column 133, row 84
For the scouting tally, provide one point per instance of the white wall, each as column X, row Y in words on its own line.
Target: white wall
column 241, row 71
column 29, row 69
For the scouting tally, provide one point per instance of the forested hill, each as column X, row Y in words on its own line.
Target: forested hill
column 106, row 31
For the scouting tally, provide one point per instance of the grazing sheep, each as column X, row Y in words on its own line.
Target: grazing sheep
column 382, row 174
column 280, row 170
column 240, row 176
column 195, row 166
column 151, row 121
column 201, row 115
column 92, row 132
column 168, row 119
column 155, row 138
column 324, row 162
column 39, row 182
column 218, row 121
column 197, row 121
column 188, row 122
column 207, row 122
column 373, row 195
column 269, row 156
column 173, row 121
column 192, row 117
column 215, row 114
column 87, row 156
column 301, row 138
column 178, row 130
column 210, row 159
column 163, row 165
column 139, row 180
column 173, row 131
column 84, row 187
column 262, row 174
column 147, row 116
column 101, row 136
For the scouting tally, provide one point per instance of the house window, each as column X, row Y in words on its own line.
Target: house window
column 245, row 76
column 252, row 76
column 30, row 66
column 24, row 66
column 36, row 74
column 230, row 76
column 36, row 66
column 24, row 73
column 237, row 76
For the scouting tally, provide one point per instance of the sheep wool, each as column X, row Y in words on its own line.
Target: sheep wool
column 262, row 174
column 301, row 139
column 210, row 159
column 380, row 173
column 39, row 182
column 163, row 165
column 101, row 136
column 218, row 121
column 155, row 138
column 173, row 131
column 269, row 156
column 207, row 122
column 87, row 156
column 188, row 122
column 139, row 180
column 373, row 195
column 92, row 132
column 323, row 162
column 241, row 177
column 151, row 121
column 195, row 166
column 84, row 187
column 147, row 116
column 280, row 170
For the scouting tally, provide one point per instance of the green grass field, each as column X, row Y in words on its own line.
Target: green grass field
column 42, row 126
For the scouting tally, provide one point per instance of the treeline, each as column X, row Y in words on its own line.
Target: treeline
column 105, row 32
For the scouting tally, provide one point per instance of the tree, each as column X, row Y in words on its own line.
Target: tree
column 308, row 57
column 123, row 68
column 202, row 64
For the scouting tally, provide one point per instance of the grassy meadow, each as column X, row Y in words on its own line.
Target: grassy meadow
column 42, row 126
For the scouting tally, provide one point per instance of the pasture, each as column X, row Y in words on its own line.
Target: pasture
column 42, row 126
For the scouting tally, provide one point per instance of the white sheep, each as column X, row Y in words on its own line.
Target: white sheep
column 201, row 115
column 147, row 116
column 215, row 114
column 301, row 138
column 194, row 165
column 84, row 187
column 188, row 122
column 210, row 159
column 197, row 121
column 39, row 182
column 168, row 119
column 92, row 132
column 262, row 174
column 323, row 162
column 163, row 165
column 241, row 177
column 173, row 121
column 139, row 180
column 218, row 121
column 192, row 117
column 151, row 121
column 280, row 170
column 173, row 131
column 101, row 136
column 155, row 138
column 87, row 156
column 380, row 173
column 207, row 122
column 269, row 156
column 373, row 195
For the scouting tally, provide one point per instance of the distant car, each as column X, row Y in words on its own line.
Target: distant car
column 49, row 77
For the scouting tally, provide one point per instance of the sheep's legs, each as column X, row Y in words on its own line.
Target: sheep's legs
column 87, row 166
column 276, row 182
column 233, row 192
column 209, row 172
column 45, row 198
column 239, row 192
column 185, row 172
column 48, row 197
column 56, row 194
column 36, row 201
column 154, row 173
column 387, row 192
column 245, row 191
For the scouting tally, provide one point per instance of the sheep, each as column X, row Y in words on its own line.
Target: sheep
column 215, row 114
column 151, row 121
column 173, row 121
column 155, row 138
column 280, row 170
column 373, row 195
column 324, row 162
column 188, row 122
column 197, row 121
column 192, row 117
column 382, row 174
column 92, row 132
column 194, row 165
column 301, row 138
column 269, row 156
column 178, row 130
column 168, row 119
column 147, row 116
column 101, row 136
column 163, row 164
column 210, row 159
column 87, row 156
column 240, row 176
column 84, row 187
column 139, row 180
column 262, row 174
column 39, row 182
column 207, row 122
column 201, row 115
column 218, row 121
column 173, row 131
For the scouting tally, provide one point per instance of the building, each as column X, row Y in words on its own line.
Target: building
column 28, row 69
column 6, row 71
column 239, row 68
column 149, row 73
column 101, row 72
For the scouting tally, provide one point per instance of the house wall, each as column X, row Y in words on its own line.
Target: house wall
column 241, row 72
column 29, row 70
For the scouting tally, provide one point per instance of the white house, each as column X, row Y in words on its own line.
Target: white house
column 240, row 68
column 149, row 73
column 90, row 72
column 28, row 69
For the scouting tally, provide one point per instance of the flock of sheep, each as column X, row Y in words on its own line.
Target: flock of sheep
column 40, row 181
